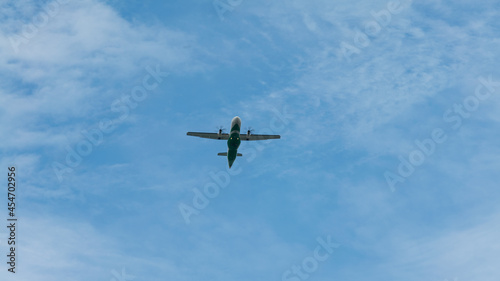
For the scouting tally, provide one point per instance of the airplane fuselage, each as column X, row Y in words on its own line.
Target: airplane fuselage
column 234, row 141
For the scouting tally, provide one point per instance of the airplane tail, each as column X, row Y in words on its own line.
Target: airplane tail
column 225, row 154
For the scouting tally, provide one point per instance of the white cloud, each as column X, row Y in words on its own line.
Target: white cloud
column 410, row 63
column 468, row 251
column 72, row 249
column 74, row 65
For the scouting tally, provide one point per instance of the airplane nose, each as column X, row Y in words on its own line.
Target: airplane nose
column 237, row 120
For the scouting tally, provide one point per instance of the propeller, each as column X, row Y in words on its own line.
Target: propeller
column 249, row 130
column 221, row 130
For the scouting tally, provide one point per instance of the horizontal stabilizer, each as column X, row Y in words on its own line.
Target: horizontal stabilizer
column 225, row 154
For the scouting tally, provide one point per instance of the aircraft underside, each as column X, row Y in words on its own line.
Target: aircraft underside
column 233, row 139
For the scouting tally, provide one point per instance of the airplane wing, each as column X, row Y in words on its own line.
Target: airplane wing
column 254, row 137
column 213, row 136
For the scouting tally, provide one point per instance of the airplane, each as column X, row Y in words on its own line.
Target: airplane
column 234, row 139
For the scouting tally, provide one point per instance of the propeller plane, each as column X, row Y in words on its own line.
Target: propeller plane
column 234, row 139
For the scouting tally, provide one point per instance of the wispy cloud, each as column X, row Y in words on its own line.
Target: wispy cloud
column 73, row 67
column 349, row 121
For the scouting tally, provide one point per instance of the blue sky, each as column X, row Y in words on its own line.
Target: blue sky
column 359, row 187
